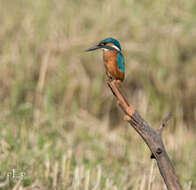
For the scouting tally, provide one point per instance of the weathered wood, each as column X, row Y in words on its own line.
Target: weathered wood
column 151, row 137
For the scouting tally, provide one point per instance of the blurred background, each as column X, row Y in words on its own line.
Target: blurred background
column 60, row 127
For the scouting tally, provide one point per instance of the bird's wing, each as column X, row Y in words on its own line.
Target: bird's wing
column 120, row 61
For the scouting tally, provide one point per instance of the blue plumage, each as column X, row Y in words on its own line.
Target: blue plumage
column 120, row 61
column 111, row 40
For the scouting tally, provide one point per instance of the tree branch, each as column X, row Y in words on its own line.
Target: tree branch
column 164, row 123
column 151, row 137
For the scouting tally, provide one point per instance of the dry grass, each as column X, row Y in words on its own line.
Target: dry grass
column 59, row 124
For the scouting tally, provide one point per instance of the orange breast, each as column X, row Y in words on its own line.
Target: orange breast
column 111, row 65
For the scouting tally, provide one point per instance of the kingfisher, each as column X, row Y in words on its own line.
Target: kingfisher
column 113, row 58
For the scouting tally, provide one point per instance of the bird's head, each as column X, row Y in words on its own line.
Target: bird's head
column 107, row 44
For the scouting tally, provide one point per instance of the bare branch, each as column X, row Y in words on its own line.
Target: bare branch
column 164, row 123
column 151, row 137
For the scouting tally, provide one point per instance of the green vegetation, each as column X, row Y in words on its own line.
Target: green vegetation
column 59, row 125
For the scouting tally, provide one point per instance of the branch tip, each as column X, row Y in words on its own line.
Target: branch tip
column 164, row 122
column 166, row 119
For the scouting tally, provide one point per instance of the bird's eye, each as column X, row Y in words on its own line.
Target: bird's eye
column 101, row 44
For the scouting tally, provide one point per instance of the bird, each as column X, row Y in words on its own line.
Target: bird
column 113, row 58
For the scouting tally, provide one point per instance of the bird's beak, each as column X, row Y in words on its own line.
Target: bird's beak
column 93, row 48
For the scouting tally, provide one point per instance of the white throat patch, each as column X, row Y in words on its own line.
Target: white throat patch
column 116, row 48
